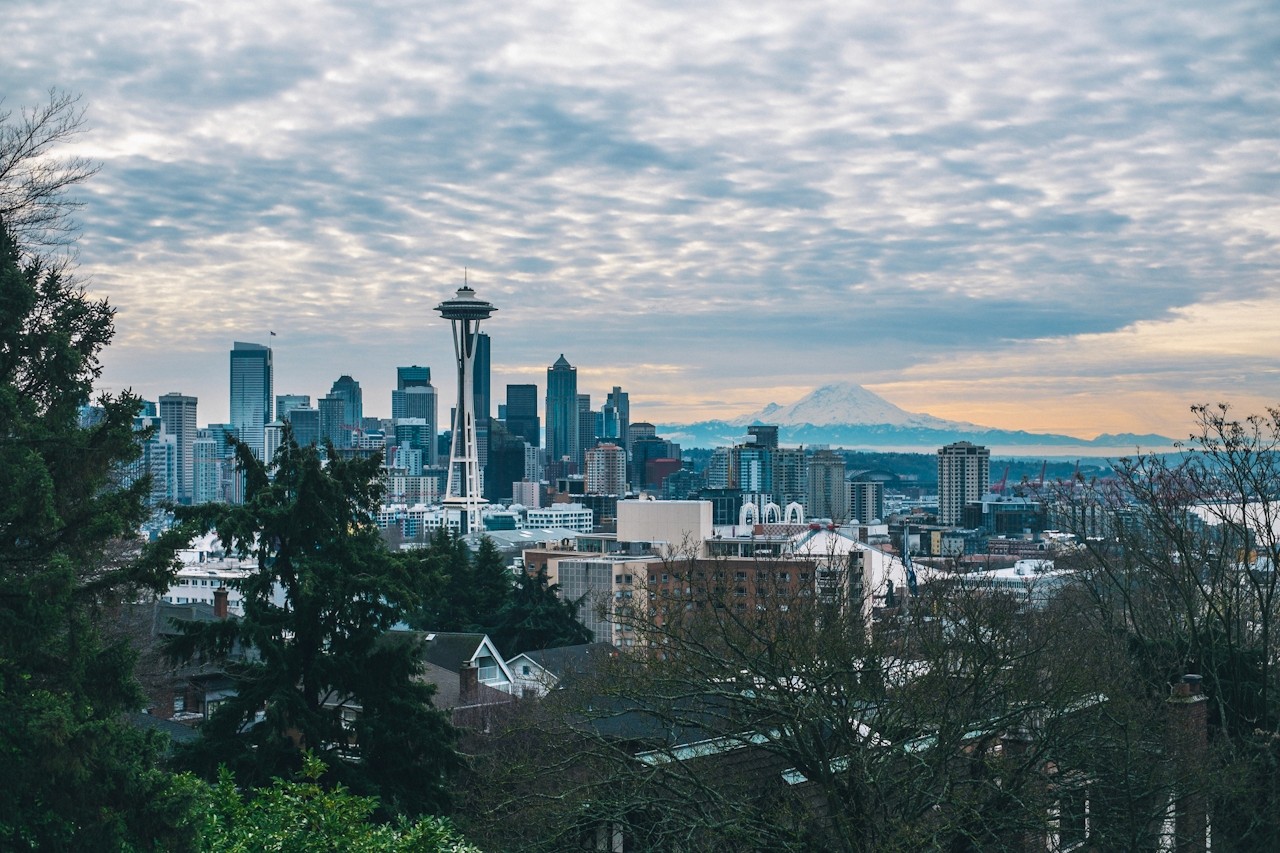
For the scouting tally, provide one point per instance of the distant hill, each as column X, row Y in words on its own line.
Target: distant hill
column 847, row 415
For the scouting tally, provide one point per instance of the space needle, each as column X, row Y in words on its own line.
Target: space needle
column 463, row 493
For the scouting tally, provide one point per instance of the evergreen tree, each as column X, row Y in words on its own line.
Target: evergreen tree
column 461, row 591
column 537, row 618
column 320, row 671
column 76, row 773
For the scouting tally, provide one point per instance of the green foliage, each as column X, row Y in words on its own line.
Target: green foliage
column 303, row 816
column 75, row 771
column 450, row 600
column 325, row 652
column 536, row 618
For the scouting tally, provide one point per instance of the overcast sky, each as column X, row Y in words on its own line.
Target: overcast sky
column 1053, row 216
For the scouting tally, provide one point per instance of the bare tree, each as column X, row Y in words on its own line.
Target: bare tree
column 35, row 185
column 1182, row 557
column 763, row 715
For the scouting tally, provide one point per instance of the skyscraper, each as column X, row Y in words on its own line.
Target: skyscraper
column 606, row 470
column 964, row 474
column 522, row 413
column 586, row 430
column 415, row 397
column 828, row 493
column 352, row 408
column 332, row 412
column 463, row 491
column 251, row 392
column 621, row 402
column 178, row 414
column 562, row 410
column 480, row 390
column 413, row 376
column 306, row 425
column 286, row 403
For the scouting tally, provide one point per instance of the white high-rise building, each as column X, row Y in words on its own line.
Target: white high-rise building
column 964, row 475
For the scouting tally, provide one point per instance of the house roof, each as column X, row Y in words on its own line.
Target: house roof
column 449, row 650
column 571, row 660
column 449, row 693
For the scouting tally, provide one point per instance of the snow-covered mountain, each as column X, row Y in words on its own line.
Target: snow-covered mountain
column 845, row 414
column 847, row 403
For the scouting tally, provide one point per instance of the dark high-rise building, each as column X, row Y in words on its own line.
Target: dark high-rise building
column 306, row 425
column 480, row 380
column 764, row 435
column 178, row 414
column 646, row 449
column 522, row 413
column 251, row 393
column 505, row 465
column 621, row 402
column 586, row 430
column 562, row 410
column 348, row 390
column 413, row 376
column 332, row 415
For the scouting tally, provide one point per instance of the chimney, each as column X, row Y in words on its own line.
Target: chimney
column 220, row 596
column 468, row 684
column 1188, row 743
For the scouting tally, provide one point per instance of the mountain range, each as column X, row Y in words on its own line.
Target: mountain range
column 845, row 414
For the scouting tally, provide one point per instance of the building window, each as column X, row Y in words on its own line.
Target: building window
column 524, row 670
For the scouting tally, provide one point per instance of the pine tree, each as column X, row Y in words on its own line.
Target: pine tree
column 75, row 771
column 321, row 672
column 537, row 618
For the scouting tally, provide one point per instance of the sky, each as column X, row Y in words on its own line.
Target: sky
column 1059, row 216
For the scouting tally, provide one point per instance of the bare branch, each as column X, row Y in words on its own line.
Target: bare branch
column 35, row 201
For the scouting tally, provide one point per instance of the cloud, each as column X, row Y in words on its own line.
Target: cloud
column 772, row 197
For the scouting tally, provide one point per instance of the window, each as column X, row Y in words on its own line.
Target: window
column 488, row 668
column 179, row 703
column 526, row 670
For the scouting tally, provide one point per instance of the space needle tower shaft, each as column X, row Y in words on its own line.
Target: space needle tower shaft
column 463, row 492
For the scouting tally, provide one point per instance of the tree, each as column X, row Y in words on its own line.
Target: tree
column 34, row 201
column 75, row 770
column 323, row 672
column 758, row 712
column 1181, row 551
column 535, row 617
column 461, row 591
column 303, row 817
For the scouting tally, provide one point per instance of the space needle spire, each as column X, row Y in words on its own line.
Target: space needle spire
column 463, row 492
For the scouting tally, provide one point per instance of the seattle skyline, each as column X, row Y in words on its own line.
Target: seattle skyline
column 1060, row 219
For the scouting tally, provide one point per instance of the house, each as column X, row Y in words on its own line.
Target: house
column 470, row 676
column 537, row 673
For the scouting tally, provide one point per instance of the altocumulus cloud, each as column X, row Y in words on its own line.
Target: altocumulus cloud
column 766, row 197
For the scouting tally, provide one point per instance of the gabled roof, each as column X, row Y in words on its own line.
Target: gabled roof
column 449, row 650
column 570, row 660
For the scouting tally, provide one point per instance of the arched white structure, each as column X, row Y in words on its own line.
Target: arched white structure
column 748, row 514
column 772, row 513
column 795, row 513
